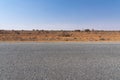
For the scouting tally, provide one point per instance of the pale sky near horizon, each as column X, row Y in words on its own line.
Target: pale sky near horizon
column 60, row 14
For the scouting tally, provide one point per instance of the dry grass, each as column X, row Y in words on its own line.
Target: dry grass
column 41, row 35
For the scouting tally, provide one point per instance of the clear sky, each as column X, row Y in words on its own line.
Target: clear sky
column 60, row 14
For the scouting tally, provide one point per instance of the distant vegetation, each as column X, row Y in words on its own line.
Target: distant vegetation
column 77, row 30
column 87, row 30
column 59, row 35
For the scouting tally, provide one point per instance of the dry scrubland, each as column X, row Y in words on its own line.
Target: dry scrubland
column 44, row 35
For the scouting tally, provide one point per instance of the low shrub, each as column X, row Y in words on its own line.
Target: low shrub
column 87, row 30
column 102, row 39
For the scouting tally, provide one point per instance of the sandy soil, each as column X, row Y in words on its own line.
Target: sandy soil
column 42, row 35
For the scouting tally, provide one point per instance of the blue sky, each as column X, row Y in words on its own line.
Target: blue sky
column 60, row 14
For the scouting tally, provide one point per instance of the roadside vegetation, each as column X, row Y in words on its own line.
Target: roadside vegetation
column 59, row 35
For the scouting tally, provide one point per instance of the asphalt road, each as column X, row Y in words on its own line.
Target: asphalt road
column 59, row 61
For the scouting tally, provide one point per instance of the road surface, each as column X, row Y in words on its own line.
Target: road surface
column 59, row 61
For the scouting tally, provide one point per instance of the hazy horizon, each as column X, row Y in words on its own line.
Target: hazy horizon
column 60, row 14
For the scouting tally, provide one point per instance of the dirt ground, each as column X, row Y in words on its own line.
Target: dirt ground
column 44, row 35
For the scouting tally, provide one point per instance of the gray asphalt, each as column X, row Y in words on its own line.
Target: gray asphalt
column 59, row 61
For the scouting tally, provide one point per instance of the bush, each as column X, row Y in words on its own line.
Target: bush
column 102, row 39
column 65, row 34
column 77, row 30
column 87, row 30
column 16, row 32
